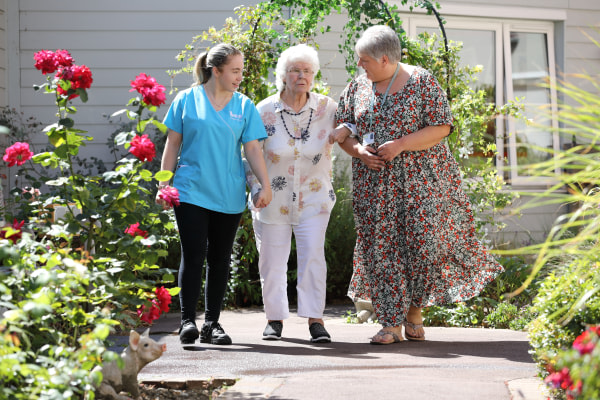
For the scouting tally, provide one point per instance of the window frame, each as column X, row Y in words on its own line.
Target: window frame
column 548, row 30
column 504, row 89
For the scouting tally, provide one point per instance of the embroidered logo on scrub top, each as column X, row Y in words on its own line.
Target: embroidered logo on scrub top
column 235, row 117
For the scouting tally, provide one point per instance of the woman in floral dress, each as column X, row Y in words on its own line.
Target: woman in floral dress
column 298, row 157
column 416, row 241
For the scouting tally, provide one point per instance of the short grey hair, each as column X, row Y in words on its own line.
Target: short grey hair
column 300, row 52
column 380, row 40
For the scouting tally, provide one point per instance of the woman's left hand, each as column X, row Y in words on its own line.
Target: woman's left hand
column 389, row 150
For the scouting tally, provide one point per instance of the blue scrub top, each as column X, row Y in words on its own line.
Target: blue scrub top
column 210, row 173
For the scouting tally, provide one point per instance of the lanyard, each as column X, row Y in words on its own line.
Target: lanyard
column 372, row 103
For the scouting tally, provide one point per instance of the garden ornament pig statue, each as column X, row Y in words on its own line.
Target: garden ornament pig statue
column 141, row 351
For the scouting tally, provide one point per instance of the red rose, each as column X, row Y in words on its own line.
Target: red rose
column 134, row 230
column 170, row 195
column 15, row 233
column 62, row 58
column 164, row 298
column 80, row 77
column 48, row 61
column 17, row 154
column 150, row 315
column 142, row 148
column 152, row 92
column 584, row 343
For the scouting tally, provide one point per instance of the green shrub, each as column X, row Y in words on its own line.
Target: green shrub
column 502, row 316
column 340, row 240
column 550, row 331
column 574, row 371
column 53, row 331
column 490, row 306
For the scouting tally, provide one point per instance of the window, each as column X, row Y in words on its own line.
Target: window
column 516, row 59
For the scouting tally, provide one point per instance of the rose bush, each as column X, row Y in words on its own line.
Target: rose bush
column 66, row 281
column 574, row 371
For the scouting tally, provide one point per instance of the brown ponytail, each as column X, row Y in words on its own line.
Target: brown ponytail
column 214, row 57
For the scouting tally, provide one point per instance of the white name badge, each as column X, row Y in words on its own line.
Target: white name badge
column 369, row 139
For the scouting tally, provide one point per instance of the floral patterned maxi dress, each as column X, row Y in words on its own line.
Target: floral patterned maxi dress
column 416, row 241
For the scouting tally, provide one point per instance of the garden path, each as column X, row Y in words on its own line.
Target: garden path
column 454, row 363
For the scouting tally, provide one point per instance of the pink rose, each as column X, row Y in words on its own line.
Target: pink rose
column 17, row 154
column 80, row 77
column 170, row 195
column 134, row 230
column 48, row 61
column 584, row 343
column 149, row 315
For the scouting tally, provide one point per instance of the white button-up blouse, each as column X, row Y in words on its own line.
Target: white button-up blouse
column 298, row 157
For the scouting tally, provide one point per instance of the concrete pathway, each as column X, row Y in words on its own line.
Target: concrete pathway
column 454, row 363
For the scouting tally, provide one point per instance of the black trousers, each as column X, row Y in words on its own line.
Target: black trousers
column 205, row 235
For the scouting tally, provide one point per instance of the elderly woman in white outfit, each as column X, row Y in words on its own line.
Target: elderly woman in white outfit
column 298, row 157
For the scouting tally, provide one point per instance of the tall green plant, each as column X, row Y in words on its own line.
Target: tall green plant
column 569, row 298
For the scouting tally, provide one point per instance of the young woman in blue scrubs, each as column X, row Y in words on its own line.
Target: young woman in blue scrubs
column 207, row 126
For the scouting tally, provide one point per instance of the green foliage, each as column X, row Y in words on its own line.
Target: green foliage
column 340, row 239
column 557, row 295
column 502, row 316
column 54, row 329
column 459, row 314
column 491, row 306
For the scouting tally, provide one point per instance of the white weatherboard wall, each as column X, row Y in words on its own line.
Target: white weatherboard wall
column 117, row 40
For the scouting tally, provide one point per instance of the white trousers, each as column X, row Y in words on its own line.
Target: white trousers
column 273, row 243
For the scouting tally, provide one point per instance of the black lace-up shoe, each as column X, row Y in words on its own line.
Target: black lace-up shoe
column 188, row 332
column 318, row 333
column 213, row 333
column 273, row 330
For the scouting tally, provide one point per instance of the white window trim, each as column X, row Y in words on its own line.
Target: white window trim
column 502, row 34
column 547, row 29
column 487, row 11
column 13, row 73
column 461, row 23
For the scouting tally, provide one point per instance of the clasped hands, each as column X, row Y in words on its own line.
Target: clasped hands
column 375, row 159
column 262, row 198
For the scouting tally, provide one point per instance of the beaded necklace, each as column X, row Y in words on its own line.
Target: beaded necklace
column 304, row 135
